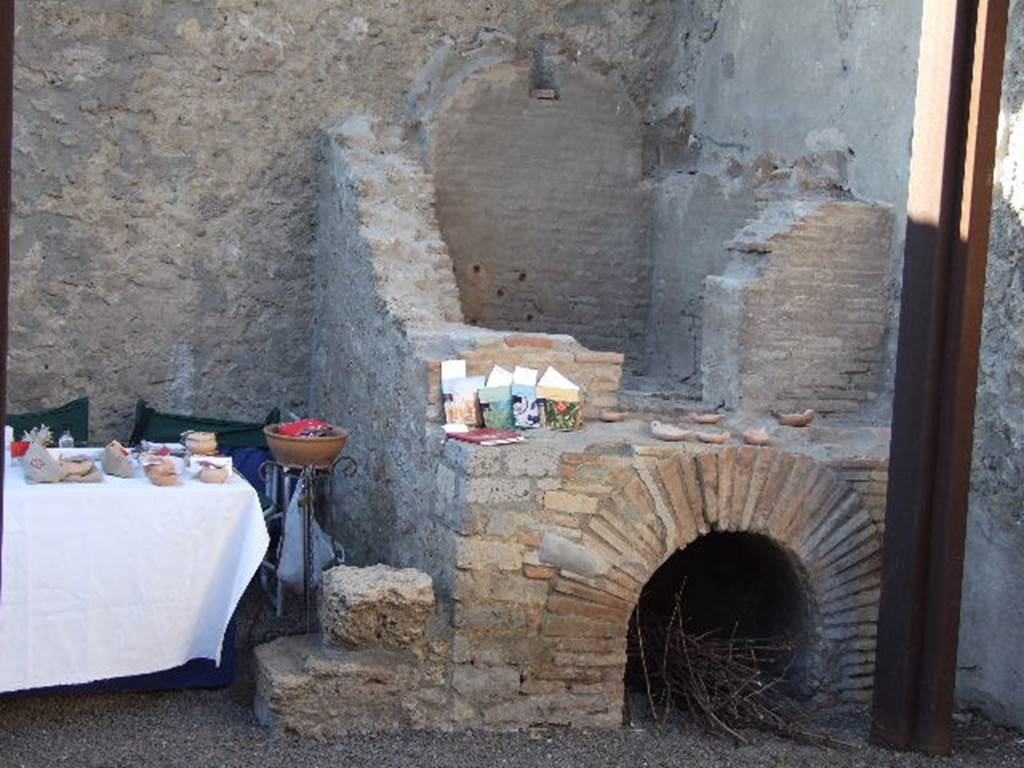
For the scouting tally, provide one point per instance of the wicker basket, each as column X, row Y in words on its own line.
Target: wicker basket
column 319, row 452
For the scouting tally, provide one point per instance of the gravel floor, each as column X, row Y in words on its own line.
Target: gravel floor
column 201, row 728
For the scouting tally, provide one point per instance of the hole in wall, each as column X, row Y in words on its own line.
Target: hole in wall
column 544, row 80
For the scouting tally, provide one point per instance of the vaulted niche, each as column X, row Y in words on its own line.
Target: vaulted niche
column 541, row 204
column 727, row 585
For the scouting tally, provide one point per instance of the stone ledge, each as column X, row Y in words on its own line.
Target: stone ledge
column 305, row 688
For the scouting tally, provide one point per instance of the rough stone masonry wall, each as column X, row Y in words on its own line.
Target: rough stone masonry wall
column 386, row 315
column 164, row 177
column 991, row 674
column 554, row 539
column 365, row 373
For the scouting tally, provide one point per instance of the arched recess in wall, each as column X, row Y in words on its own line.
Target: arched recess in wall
column 541, row 203
column 792, row 502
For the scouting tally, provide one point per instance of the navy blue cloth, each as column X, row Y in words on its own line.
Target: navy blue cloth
column 248, row 462
column 197, row 673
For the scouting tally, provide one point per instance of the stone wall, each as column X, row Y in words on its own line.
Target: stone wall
column 553, row 541
column 991, row 674
column 557, row 537
column 386, row 315
column 165, row 177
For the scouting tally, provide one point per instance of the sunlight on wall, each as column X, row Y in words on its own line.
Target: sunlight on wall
column 1010, row 169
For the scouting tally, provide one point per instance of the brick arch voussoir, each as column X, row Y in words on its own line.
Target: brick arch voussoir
column 795, row 501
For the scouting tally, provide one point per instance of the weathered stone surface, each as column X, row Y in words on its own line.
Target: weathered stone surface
column 991, row 669
column 485, row 685
column 208, row 212
column 305, row 688
column 375, row 606
column 478, row 554
column 357, row 262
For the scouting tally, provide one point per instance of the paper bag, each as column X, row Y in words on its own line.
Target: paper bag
column 496, row 407
column 461, row 404
column 116, row 461
column 526, row 409
column 39, row 466
column 563, row 403
column 496, row 400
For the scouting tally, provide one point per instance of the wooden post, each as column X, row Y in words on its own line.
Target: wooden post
column 949, row 209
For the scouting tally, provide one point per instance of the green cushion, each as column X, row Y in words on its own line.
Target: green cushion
column 74, row 415
column 159, row 427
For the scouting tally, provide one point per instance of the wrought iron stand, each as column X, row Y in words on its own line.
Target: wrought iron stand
column 282, row 481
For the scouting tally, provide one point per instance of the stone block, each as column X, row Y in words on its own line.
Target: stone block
column 485, row 685
column 539, row 572
column 305, row 688
column 375, row 606
column 479, row 554
column 574, row 504
column 568, row 556
column 499, row 490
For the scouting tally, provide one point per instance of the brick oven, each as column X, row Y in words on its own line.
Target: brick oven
column 539, row 552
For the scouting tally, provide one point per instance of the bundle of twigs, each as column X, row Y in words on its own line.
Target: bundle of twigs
column 726, row 683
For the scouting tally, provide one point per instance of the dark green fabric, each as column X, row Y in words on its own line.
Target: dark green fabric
column 159, row 427
column 74, row 415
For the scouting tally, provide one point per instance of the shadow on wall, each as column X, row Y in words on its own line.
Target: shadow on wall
column 991, row 670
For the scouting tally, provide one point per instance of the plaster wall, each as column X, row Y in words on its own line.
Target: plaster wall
column 805, row 95
column 991, row 671
column 165, row 178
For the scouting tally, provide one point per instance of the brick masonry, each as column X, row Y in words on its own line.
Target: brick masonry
column 538, row 551
column 516, row 606
column 799, row 318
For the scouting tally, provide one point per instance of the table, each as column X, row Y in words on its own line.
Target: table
column 122, row 577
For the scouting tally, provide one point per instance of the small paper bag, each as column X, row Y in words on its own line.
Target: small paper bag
column 496, row 400
column 525, row 406
column 496, row 406
column 116, row 461
column 461, row 405
column 39, row 466
column 563, row 403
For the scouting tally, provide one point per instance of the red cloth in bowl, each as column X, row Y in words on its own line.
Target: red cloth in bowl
column 296, row 428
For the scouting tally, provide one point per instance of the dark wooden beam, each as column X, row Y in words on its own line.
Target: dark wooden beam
column 949, row 208
column 6, row 136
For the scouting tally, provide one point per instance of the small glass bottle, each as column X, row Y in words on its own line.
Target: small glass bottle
column 66, row 440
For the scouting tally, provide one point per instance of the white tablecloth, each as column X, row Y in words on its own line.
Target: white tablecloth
column 121, row 577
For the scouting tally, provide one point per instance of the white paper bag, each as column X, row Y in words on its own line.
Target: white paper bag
column 289, row 564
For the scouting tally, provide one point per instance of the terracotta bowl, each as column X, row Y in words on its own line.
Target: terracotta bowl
column 319, row 452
